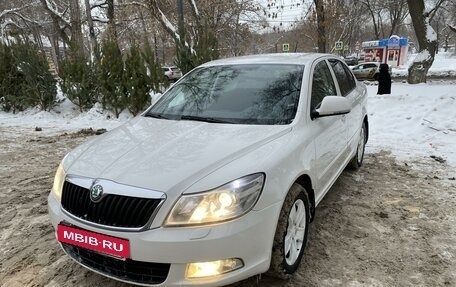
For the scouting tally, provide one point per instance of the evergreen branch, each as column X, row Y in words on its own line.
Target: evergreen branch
column 452, row 28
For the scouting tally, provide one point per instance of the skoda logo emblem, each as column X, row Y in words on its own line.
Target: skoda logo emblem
column 96, row 192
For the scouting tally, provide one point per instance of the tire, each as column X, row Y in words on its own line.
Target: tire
column 357, row 161
column 291, row 233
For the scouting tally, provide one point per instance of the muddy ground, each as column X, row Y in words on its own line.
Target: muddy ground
column 389, row 224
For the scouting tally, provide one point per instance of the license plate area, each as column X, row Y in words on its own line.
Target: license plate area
column 109, row 245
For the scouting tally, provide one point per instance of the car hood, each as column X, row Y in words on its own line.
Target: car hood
column 166, row 155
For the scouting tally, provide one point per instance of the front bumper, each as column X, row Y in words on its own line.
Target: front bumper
column 249, row 238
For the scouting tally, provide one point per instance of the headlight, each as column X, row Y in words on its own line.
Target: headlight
column 223, row 203
column 58, row 182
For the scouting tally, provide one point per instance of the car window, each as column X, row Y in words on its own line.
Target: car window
column 368, row 66
column 351, row 78
column 359, row 67
column 264, row 94
column 344, row 78
column 322, row 84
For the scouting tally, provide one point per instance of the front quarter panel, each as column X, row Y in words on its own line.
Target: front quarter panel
column 282, row 160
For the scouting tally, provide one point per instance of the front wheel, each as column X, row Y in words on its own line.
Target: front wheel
column 357, row 160
column 291, row 233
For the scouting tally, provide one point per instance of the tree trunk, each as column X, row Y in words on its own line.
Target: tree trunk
column 427, row 41
column 321, row 29
column 93, row 38
column 112, row 32
column 77, row 41
column 59, row 24
column 374, row 20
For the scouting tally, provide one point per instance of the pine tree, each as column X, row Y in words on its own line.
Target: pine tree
column 79, row 81
column 38, row 86
column 205, row 50
column 136, row 82
column 155, row 73
column 111, row 74
column 207, row 45
column 10, row 82
column 25, row 80
column 185, row 59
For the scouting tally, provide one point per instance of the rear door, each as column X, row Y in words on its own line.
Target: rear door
column 358, row 71
column 370, row 70
column 349, row 89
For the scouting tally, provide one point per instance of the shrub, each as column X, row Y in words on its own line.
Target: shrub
column 26, row 80
column 79, row 82
column 136, row 82
column 111, row 74
column 11, row 82
column 155, row 73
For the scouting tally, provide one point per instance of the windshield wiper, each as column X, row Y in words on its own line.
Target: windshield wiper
column 205, row 119
column 156, row 116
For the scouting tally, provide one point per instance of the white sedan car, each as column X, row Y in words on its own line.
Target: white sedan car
column 219, row 179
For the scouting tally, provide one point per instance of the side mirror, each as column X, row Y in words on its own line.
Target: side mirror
column 154, row 98
column 332, row 106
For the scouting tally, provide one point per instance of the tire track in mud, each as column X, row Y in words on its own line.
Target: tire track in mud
column 385, row 225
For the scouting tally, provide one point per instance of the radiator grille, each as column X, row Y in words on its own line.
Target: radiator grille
column 113, row 210
column 127, row 270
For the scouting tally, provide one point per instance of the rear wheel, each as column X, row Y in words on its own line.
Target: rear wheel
column 291, row 233
column 357, row 160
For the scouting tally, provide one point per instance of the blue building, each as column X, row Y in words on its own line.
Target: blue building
column 392, row 51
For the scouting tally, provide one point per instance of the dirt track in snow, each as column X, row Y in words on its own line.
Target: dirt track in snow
column 389, row 224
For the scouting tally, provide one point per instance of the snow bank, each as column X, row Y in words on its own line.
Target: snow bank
column 64, row 117
column 414, row 121
column 444, row 66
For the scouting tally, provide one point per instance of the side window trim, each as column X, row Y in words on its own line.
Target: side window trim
column 351, row 78
column 336, row 61
column 313, row 67
column 336, row 82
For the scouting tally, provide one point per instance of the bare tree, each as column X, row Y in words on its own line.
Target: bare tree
column 386, row 15
column 442, row 24
column 19, row 15
column 427, row 39
column 375, row 12
column 397, row 12
column 321, row 25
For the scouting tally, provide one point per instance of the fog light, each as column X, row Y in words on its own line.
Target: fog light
column 213, row 268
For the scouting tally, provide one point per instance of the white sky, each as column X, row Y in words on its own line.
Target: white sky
column 288, row 11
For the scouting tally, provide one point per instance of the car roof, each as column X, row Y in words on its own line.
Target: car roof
column 278, row 58
column 376, row 63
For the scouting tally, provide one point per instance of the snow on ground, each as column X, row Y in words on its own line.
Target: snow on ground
column 415, row 121
column 64, row 117
column 444, row 66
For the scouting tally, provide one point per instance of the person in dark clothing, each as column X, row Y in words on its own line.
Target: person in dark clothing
column 384, row 80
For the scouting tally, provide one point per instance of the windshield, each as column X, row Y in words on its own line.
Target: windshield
column 266, row 94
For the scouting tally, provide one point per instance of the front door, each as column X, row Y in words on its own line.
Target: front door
column 393, row 56
column 328, row 132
